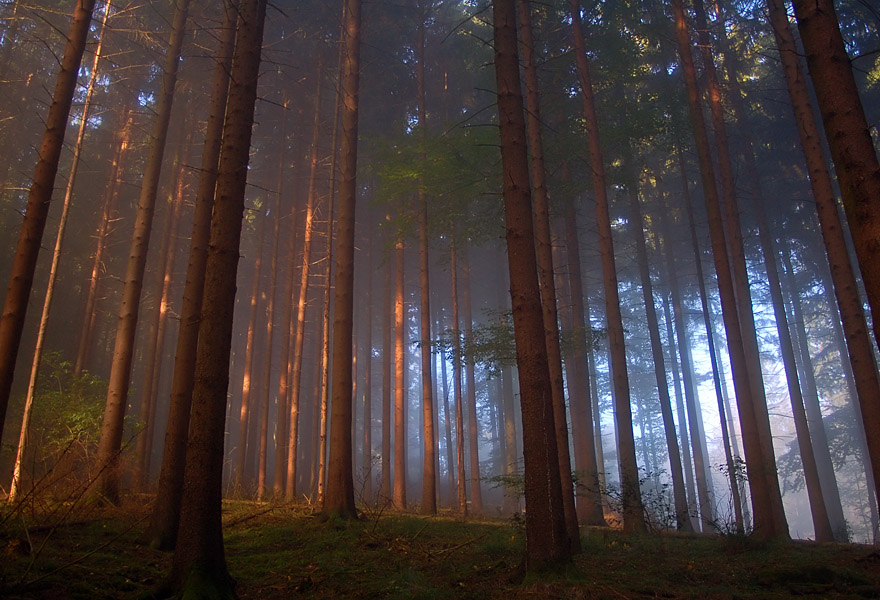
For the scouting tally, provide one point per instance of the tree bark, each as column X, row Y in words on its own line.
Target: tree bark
column 457, row 360
column 110, row 443
column 199, row 564
column 340, row 481
column 399, row 491
column 165, row 519
column 633, row 510
column 547, row 543
column 540, row 196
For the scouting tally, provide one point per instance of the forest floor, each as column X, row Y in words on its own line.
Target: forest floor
column 278, row 552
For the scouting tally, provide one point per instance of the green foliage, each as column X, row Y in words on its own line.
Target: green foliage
column 66, row 409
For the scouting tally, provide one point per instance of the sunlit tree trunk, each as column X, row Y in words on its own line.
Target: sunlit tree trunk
column 589, row 503
column 40, row 196
column 245, row 443
column 325, row 363
column 633, row 511
column 110, row 443
column 678, row 492
column 399, row 491
column 53, row 269
column 832, row 80
column 301, row 305
column 165, row 518
column 199, row 564
column 760, row 467
column 157, row 319
column 547, row 542
column 540, row 198
column 340, row 480
column 281, row 433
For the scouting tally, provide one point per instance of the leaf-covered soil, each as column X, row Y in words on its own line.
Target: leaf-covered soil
column 279, row 552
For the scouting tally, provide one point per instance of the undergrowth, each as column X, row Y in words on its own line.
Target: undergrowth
column 282, row 551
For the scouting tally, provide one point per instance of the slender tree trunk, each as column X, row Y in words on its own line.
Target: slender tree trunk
column 122, row 143
column 760, row 467
column 325, row 361
column 736, row 497
column 824, row 465
column 547, row 542
column 740, row 273
column 589, row 504
column 53, row 269
column 368, row 379
column 545, row 270
column 385, row 488
column 157, row 319
column 340, row 481
column 399, row 492
column 301, row 305
column 457, row 360
column 40, row 196
column 281, row 429
column 429, row 475
column 633, row 511
column 447, row 422
column 199, row 565
column 110, row 443
column 166, row 512
column 471, row 387
column 679, row 496
column 245, row 445
column 840, row 125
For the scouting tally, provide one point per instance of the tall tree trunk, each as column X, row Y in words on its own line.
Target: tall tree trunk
column 824, row 465
column 387, row 353
column 447, row 422
column 399, row 491
column 301, row 305
column 818, row 27
column 545, row 270
column 547, row 542
column 40, row 196
column 340, row 481
column 589, row 504
column 280, row 464
column 246, row 417
column 854, row 155
column 122, row 143
column 633, row 511
column 740, row 274
column 457, row 360
column 53, row 269
column 325, row 359
column 368, row 379
column 760, row 467
column 110, row 443
column 199, row 564
column 429, row 475
column 735, row 486
column 166, row 511
column 471, row 387
column 678, row 492
column 157, row 319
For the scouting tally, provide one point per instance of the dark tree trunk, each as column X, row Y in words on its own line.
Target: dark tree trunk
column 166, row 512
column 547, row 542
column 340, row 479
column 199, row 565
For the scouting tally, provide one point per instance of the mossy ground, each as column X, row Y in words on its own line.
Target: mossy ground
column 277, row 552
